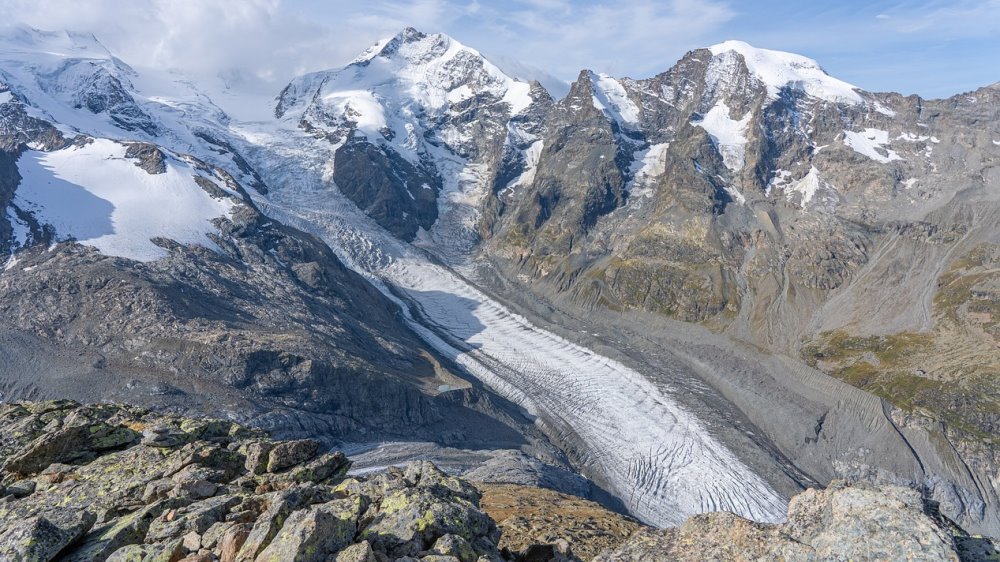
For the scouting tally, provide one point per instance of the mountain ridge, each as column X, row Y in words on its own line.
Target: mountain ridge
column 714, row 193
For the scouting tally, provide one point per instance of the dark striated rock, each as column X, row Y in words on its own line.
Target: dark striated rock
column 148, row 157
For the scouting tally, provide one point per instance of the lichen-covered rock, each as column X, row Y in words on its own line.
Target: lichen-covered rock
column 359, row 552
column 212, row 498
column 421, row 505
column 853, row 522
column 313, row 534
column 130, row 529
column 291, row 453
column 455, row 546
column 843, row 522
column 38, row 540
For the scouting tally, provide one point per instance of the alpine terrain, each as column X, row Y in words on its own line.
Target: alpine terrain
column 704, row 291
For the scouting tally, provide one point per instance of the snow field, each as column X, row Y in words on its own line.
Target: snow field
column 95, row 195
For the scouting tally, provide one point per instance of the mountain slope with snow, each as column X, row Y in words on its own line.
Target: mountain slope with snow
column 779, row 70
column 95, row 195
column 743, row 191
column 426, row 106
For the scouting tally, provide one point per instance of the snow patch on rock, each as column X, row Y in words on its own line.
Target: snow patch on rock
column 728, row 134
column 913, row 137
column 531, row 156
column 611, row 98
column 813, row 192
column 883, row 109
column 648, row 164
column 871, row 143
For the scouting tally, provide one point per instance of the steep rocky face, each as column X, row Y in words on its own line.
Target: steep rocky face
column 403, row 122
column 690, row 153
column 236, row 313
column 780, row 206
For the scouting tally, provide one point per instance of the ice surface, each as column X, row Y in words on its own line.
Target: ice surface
column 93, row 194
column 728, row 134
column 871, row 143
column 657, row 457
column 777, row 70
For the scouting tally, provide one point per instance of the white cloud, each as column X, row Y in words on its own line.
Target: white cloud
column 638, row 37
column 274, row 40
column 962, row 19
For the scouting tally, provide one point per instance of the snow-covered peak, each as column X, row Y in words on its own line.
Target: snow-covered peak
column 49, row 48
column 59, row 73
column 778, row 70
column 412, row 69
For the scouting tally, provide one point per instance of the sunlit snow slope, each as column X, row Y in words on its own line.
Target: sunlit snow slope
column 98, row 197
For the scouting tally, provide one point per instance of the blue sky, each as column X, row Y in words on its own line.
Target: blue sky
column 929, row 47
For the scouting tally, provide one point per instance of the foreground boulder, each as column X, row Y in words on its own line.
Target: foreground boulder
column 104, row 483
column 135, row 486
column 843, row 522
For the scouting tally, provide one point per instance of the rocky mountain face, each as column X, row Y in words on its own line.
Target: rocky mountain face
column 115, row 483
column 403, row 120
column 729, row 241
column 748, row 191
column 182, row 294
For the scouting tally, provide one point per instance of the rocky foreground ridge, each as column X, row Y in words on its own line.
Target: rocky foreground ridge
column 119, row 483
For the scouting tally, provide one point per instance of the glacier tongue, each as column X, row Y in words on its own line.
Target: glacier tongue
column 657, row 457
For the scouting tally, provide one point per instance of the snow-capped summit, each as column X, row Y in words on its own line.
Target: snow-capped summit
column 62, row 72
column 46, row 49
column 778, row 70
column 409, row 70
column 426, row 103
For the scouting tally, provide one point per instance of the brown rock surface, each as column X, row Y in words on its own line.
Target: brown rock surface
column 528, row 515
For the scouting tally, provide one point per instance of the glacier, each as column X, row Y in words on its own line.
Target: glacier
column 626, row 433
